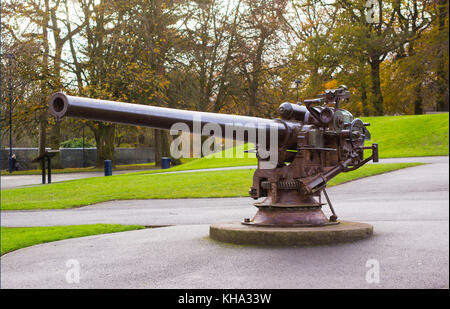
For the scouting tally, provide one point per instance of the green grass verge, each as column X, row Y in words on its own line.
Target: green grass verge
column 410, row 136
column 14, row 238
column 231, row 183
column 231, row 157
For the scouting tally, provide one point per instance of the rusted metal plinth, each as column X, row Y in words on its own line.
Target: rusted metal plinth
column 241, row 234
column 289, row 217
column 291, row 209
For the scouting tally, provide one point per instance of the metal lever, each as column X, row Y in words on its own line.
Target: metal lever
column 375, row 152
column 334, row 217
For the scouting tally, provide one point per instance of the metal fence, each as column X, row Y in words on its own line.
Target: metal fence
column 73, row 157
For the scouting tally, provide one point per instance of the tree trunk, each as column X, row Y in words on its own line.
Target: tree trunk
column 54, row 143
column 442, row 80
column 104, row 137
column 42, row 131
column 165, row 143
column 365, row 107
column 158, row 63
column 377, row 97
column 254, row 82
column 162, row 146
column 158, row 149
column 418, row 102
column 43, row 115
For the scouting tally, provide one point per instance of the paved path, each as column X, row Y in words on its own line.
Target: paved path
column 14, row 181
column 408, row 208
column 9, row 182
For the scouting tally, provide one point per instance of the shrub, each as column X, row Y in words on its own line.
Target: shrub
column 78, row 143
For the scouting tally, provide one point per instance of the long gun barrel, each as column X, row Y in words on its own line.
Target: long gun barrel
column 62, row 105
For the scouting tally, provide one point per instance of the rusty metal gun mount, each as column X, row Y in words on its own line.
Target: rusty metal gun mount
column 318, row 141
column 328, row 142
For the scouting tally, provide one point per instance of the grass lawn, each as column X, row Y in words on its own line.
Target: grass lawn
column 231, row 183
column 14, row 238
column 237, row 158
column 410, row 136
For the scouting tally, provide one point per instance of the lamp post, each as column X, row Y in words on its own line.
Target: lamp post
column 84, row 154
column 10, row 57
column 297, row 82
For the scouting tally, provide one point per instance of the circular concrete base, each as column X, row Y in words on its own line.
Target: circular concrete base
column 238, row 233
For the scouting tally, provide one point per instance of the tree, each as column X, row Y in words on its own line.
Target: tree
column 153, row 25
column 256, row 43
column 315, row 55
column 116, row 60
column 440, row 48
column 209, row 36
column 27, row 37
column 420, row 63
column 394, row 24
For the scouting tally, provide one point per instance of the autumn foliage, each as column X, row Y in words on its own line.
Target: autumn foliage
column 230, row 56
